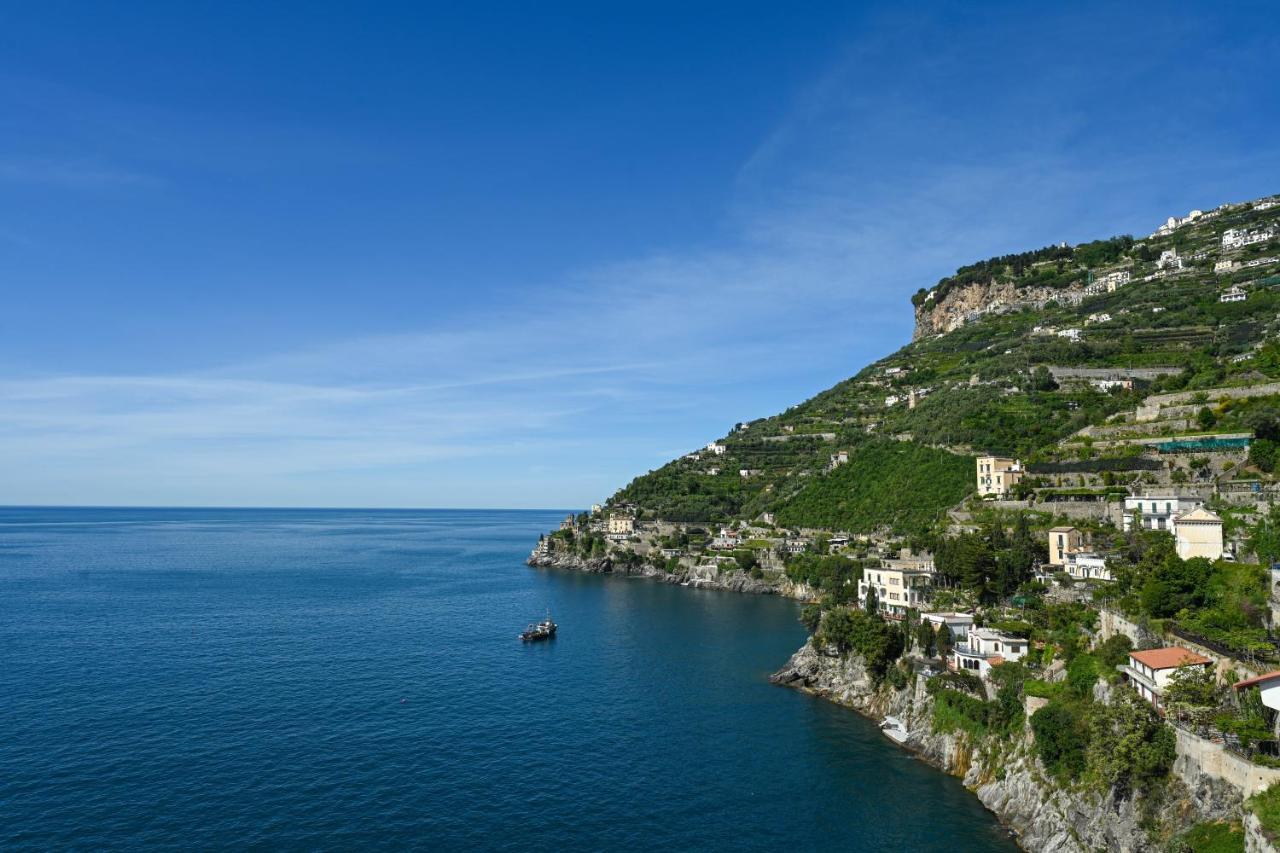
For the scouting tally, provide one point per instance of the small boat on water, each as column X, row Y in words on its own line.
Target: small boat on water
column 544, row 630
column 894, row 729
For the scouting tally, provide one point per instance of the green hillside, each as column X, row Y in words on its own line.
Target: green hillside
column 897, row 484
column 987, row 385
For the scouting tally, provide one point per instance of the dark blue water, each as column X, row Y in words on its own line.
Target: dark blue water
column 311, row 679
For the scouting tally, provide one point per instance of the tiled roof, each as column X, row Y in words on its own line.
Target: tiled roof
column 1200, row 514
column 1258, row 679
column 1169, row 658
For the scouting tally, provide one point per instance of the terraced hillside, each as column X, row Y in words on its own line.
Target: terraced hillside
column 1011, row 355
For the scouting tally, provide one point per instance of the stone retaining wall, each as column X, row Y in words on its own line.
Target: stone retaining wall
column 1199, row 756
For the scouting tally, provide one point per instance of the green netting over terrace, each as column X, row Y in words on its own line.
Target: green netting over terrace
column 1202, row 445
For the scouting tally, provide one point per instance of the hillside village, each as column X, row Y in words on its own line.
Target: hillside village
column 1057, row 501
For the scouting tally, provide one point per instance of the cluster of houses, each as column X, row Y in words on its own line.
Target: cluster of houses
column 1197, row 532
column 1238, row 238
column 1108, row 282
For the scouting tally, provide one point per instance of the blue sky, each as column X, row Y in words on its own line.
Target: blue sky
column 513, row 254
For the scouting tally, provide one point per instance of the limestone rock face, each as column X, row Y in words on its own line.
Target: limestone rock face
column 1044, row 815
column 964, row 304
column 1255, row 840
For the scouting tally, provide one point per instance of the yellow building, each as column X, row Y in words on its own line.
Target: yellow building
column 1198, row 534
column 621, row 525
column 998, row 475
column 1062, row 542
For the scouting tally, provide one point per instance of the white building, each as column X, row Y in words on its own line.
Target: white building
column 717, row 448
column 1108, row 384
column 1169, row 260
column 1175, row 222
column 1157, row 511
column 957, row 623
column 1226, row 266
column 1113, row 280
column 1268, row 685
column 1149, row 671
column 1072, row 335
column 1238, row 238
column 1198, row 533
column 985, row 648
column 998, row 475
column 840, row 457
column 726, row 540
column 897, row 589
column 1085, row 566
column 1235, row 293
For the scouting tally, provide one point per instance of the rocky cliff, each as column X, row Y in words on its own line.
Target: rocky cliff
column 1008, row 778
column 971, row 302
column 700, row 577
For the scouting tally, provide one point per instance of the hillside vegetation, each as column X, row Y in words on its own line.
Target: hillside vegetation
column 988, row 385
column 895, row 484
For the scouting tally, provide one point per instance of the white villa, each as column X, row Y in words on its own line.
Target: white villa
column 1149, row 671
column 1169, row 260
column 727, row 540
column 1157, row 511
column 897, row 590
column 1225, row 266
column 717, row 448
column 986, row 648
column 1235, row 293
column 1238, row 238
column 1175, row 222
column 957, row 623
column 1268, row 685
column 1072, row 335
column 1198, row 534
column 1086, row 565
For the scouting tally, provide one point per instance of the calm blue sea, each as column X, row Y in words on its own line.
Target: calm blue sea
column 315, row 679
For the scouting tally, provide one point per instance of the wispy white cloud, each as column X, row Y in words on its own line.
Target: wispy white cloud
column 555, row 392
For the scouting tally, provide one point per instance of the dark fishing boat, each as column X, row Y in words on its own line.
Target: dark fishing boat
column 544, row 630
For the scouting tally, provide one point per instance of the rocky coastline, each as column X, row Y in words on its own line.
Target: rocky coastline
column 698, row 577
column 1042, row 814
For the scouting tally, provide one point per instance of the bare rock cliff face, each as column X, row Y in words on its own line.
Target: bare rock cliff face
column 1044, row 815
column 965, row 304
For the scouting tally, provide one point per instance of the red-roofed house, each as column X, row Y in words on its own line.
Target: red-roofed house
column 1268, row 685
column 1149, row 671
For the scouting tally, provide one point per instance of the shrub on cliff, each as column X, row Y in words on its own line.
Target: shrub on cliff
column 1130, row 747
column 850, row 629
column 1060, row 739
